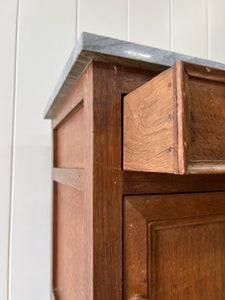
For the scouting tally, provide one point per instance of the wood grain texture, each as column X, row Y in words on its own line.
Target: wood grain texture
column 99, row 95
column 181, row 120
column 135, row 264
column 173, row 206
column 70, row 177
column 69, row 140
column 153, row 183
column 182, row 236
column 76, row 114
column 207, row 121
column 89, row 183
column 148, row 126
column 138, row 297
column 194, row 130
column 107, row 187
column 133, row 78
column 101, row 90
column 188, row 259
column 69, row 278
column 70, row 100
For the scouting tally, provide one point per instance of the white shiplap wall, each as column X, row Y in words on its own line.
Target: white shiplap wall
column 189, row 27
column 8, row 19
column 46, row 35
column 149, row 22
column 216, row 30
column 37, row 39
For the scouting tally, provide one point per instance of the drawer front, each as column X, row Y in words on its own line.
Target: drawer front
column 174, row 246
column 175, row 123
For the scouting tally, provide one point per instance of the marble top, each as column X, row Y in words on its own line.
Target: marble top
column 91, row 46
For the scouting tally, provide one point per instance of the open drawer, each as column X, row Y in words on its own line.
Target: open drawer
column 175, row 123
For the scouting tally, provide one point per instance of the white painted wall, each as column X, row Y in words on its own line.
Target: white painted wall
column 36, row 40
column 8, row 11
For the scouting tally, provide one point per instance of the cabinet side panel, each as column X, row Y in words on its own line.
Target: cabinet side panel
column 69, row 257
column 148, row 126
column 73, row 193
column 69, row 140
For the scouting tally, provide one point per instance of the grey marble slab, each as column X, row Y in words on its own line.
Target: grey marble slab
column 91, row 46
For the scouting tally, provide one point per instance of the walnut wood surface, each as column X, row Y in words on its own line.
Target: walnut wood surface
column 88, row 97
column 148, row 126
column 174, row 246
column 182, row 109
column 99, row 96
column 70, row 102
column 207, row 120
column 73, row 217
column 71, row 177
column 107, row 187
column 69, row 140
column 69, row 243
column 138, row 297
column 132, row 78
column 152, row 183
column 105, row 83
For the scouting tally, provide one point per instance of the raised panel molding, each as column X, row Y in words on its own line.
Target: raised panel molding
column 174, row 253
column 186, row 258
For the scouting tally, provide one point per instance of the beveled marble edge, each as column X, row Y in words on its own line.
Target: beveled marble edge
column 91, row 46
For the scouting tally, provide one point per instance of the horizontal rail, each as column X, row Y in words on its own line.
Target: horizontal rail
column 71, row 177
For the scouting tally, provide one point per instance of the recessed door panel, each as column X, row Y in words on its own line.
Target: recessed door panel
column 174, row 247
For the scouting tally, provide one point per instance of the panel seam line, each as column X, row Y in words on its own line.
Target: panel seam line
column 13, row 148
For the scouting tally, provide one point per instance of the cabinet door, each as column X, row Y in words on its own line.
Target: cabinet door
column 174, row 247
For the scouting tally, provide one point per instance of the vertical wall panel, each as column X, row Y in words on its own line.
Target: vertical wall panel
column 216, row 25
column 8, row 19
column 46, row 38
column 189, row 27
column 149, row 22
column 103, row 17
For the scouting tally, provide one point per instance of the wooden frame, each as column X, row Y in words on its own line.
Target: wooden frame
column 102, row 182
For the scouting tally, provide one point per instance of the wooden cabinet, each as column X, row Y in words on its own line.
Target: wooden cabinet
column 131, row 235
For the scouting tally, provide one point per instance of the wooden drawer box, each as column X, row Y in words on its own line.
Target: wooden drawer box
column 175, row 123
